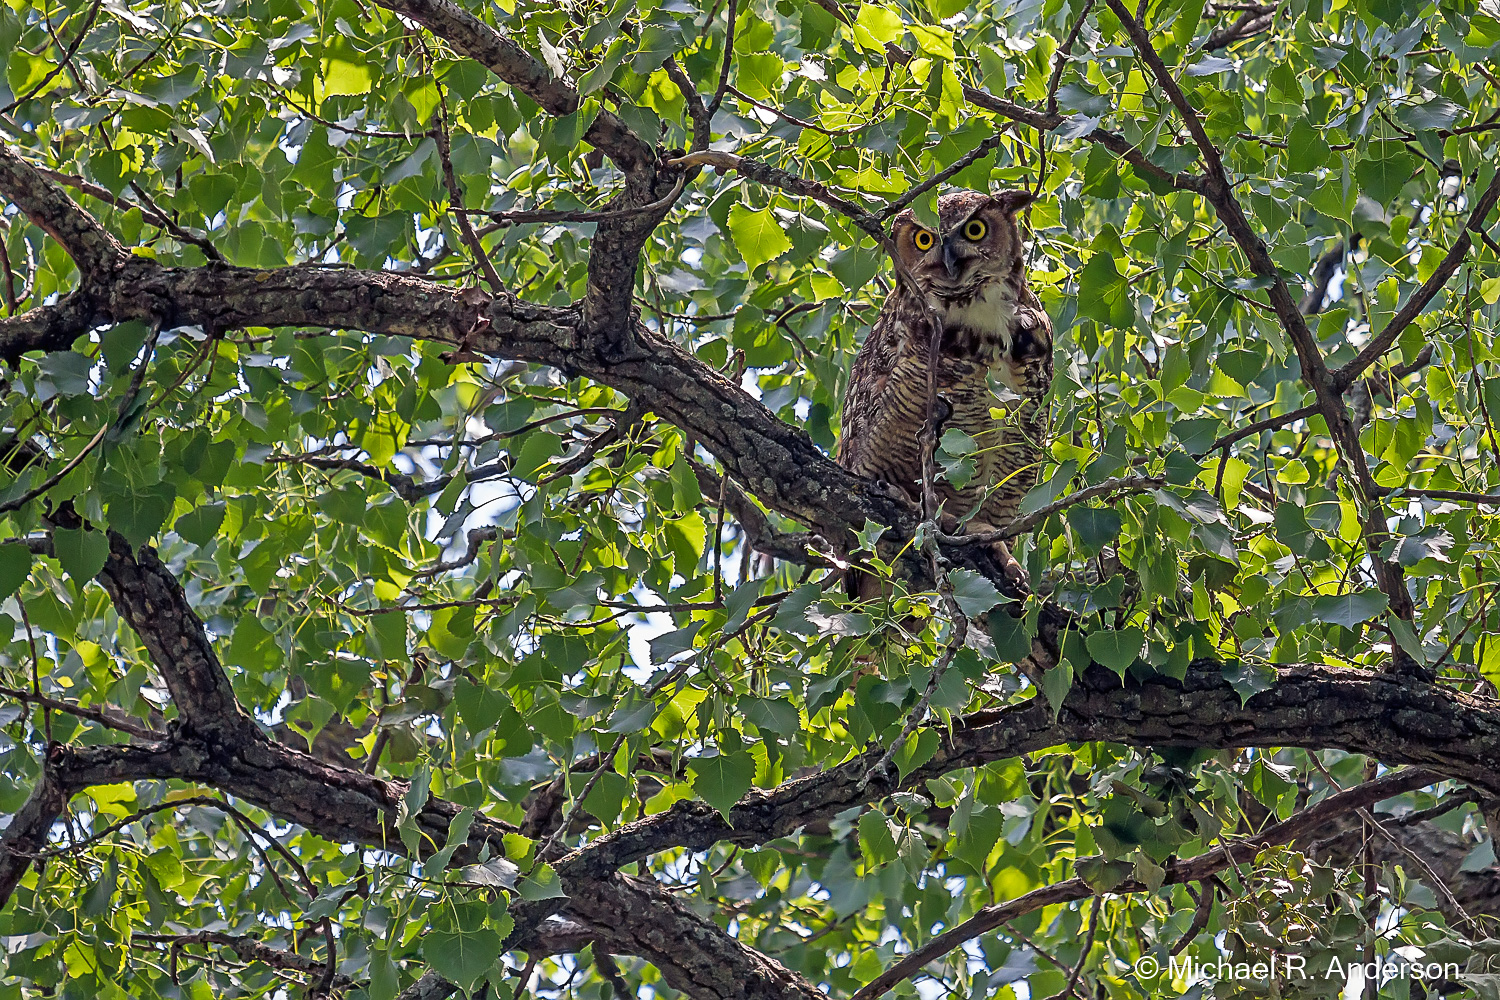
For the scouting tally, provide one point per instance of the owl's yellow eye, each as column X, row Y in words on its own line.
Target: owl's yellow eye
column 975, row 229
column 922, row 240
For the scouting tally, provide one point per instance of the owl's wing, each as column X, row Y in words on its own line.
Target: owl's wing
column 874, row 382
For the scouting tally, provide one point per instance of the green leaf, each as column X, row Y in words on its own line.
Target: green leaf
column 1103, row 293
column 1116, row 650
column 1095, row 527
column 138, row 513
column 722, row 780
column 875, row 26
column 1349, row 610
column 63, row 373
column 345, row 504
column 384, row 979
column 1012, row 640
column 877, row 841
column 120, row 344
column 685, row 492
column 1383, row 173
column 1438, row 113
column 920, row 746
column 200, row 524
column 758, row 235
column 252, row 648
column 462, row 957
column 777, row 715
column 542, row 883
column 666, row 646
column 1248, row 679
column 1056, row 683
column 973, row 593
column 479, row 706
column 1102, row 875
column 342, row 74
column 81, row 551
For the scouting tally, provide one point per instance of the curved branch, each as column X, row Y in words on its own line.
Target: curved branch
column 1394, row 719
column 78, row 233
column 151, row 600
column 470, row 36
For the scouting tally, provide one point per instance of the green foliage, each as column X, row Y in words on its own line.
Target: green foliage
column 485, row 572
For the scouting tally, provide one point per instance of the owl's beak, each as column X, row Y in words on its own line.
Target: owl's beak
column 950, row 260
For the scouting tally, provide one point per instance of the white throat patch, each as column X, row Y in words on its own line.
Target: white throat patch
column 991, row 314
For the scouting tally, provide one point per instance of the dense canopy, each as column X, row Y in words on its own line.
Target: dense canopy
column 423, row 567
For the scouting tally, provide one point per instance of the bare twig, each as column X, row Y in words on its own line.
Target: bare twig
column 723, row 88
column 64, row 62
column 1177, row 871
column 1064, row 51
column 1025, row 523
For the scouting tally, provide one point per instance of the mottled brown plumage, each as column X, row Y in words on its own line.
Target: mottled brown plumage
column 971, row 277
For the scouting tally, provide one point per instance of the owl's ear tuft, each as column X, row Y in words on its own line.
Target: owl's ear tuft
column 1011, row 202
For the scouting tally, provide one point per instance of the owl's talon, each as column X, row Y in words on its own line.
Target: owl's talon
column 1014, row 571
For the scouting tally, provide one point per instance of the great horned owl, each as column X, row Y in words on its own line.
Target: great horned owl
column 971, row 274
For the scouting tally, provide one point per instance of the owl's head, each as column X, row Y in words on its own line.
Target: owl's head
column 977, row 243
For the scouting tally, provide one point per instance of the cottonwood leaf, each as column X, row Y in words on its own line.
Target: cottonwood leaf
column 1116, row 650
column 495, row 873
column 1248, row 679
column 463, row 957
column 973, row 593
column 15, row 567
column 81, row 551
column 722, row 780
column 1056, row 683
column 759, row 235
column 1349, row 610
column 669, row 644
column 200, row 524
column 542, row 883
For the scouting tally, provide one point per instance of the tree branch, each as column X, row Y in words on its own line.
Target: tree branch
column 151, row 600
column 764, row 173
column 1412, row 308
column 1219, row 191
column 51, row 210
column 494, row 50
column 1177, row 871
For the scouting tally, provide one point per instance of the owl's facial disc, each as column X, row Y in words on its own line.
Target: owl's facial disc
column 964, row 260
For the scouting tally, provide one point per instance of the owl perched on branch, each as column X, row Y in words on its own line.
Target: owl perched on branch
column 970, row 278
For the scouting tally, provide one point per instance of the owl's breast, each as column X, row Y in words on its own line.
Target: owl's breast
column 982, row 325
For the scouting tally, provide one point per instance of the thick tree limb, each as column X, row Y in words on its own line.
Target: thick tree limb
column 65, row 772
column 26, row 835
column 1393, row 719
column 151, row 600
column 693, row 954
column 52, row 211
column 46, row 328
